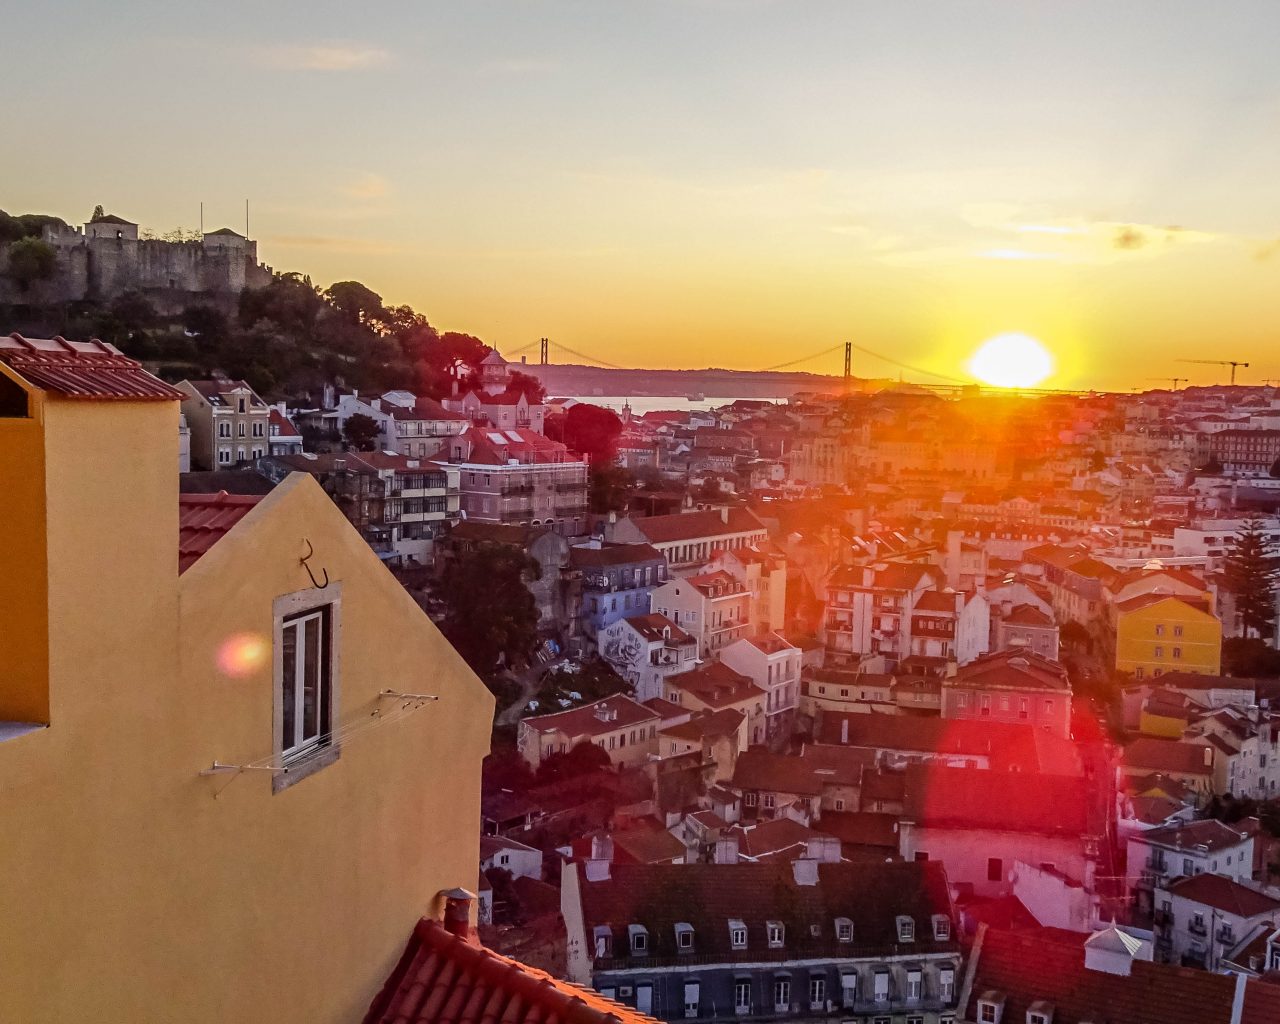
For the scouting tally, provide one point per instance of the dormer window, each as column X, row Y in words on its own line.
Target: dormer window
column 1040, row 1012
column 639, row 936
column 603, row 936
column 684, row 937
column 844, row 929
column 776, row 933
column 991, row 1007
column 906, row 929
column 737, row 935
column 941, row 928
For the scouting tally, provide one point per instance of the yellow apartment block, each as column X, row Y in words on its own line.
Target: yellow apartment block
column 1159, row 633
column 138, row 885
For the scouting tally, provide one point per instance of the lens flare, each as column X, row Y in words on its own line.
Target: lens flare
column 242, row 654
column 1011, row 361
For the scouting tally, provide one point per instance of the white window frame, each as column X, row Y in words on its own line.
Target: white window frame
column 737, row 935
column 741, row 986
column 782, row 986
column 817, row 992
column 776, row 933
column 303, row 760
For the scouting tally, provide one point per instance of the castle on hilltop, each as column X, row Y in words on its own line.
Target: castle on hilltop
column 106, row 258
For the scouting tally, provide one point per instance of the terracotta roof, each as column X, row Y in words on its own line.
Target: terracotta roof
column 1015, row 669
column 651, row 627
column 937, row 601
column 883, row 785
column 1209, row 833
column 1156, row 755
column 587, row 720
column 1026, row 967
column 1223, row 894
column 204, row 519
column 442, row 979
column 613, row 554
column 664, row 708
column 705, row 724
column 213, row 390
column 690, row 525
column 422, row 409
column 766, row 839
column 864, row 828
column 1007, row 746
column 82, row 369
column 283, row 425
column 770, row 643
column 716, row 685
column 975, row 799
column 1028, row 615
column 761, row 769
column 496, row 533
column 1184, row 576
column 1134, row 604
column 646, row 846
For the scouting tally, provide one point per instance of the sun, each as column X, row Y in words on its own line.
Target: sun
column 1011, row 361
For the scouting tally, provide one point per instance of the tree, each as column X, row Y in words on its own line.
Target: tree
column 1250, row 658
column 608, row 487
column 490, row 614
column 208, row 323
column 361, row 432
column 31, row 260
column 1274, row 472
column 359, row 304
column 528, row 385
column 1251, row 572
column 593, row 431
column 1075, row 634
column 584, row 759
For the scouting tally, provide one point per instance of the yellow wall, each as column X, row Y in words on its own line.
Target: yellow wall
column 24, row 647
column 1136, row 639
column 1159, row 725
column 141, row 895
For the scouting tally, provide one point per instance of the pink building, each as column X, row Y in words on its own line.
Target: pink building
column 1011, row 686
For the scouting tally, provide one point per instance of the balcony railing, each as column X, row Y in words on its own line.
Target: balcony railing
column 1198, row 928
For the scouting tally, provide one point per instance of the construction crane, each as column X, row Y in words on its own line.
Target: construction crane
column 1175, row 381
column 1233, row 363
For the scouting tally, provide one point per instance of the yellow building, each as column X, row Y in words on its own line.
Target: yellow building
column 1159, row 633
column 137, row 887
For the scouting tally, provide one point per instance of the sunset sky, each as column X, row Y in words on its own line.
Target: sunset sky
column 701, row 182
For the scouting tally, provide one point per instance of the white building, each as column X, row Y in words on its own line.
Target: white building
column 1158, row 855
column 773, row 664
column 500, row 852
column 646, row 650
column 1202, row 918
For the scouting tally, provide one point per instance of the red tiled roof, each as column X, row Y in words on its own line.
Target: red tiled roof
column 1146, row 600
column 1043, row 965
column 690, row 525
column 442, row 979
column 1155, row 755
column 203, row 520
column 976, row 799
column 283, row 426
column 1028, row 615
column 704, row 724
column 716, row 685
column 1224, row 894
column 422, row 409
column 936, row 601
column 1210, row 833
column 861, row 828
column 613, row 554
column 82, row 369
column 651, row 627
column 1015, row 669
column 586, row 720
column 767, row 839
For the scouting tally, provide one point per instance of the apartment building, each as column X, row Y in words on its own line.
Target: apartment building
column 400, row 505
column 518, row 477
column 622, row 727
column 229, row 423
column 617, row 580
column 1159, row 855
column 1011, row 686
column 689, row 539
column 767, row 941
column 1158, row 633
column 869, row 609
column 647, row 650
column 763, row 571
column 714, row 607
column 1244, row 452
column 773, row 664
column 1202, row 918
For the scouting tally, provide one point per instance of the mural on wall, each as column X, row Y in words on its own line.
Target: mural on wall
column 621, row 647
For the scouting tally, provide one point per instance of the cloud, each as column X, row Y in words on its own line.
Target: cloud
column 367, row 186
column 1128, row 237
column 1266, row 250
column 324, row 57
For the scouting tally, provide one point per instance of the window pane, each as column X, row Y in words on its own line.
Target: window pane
column 288, row 685
column 311, row 678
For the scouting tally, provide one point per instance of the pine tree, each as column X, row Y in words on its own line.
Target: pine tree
column 1252, row 574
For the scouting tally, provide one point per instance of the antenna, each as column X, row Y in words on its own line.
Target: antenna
column 246, row 218
column 202, row 218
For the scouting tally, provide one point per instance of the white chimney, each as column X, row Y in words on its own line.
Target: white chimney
column 805, row 871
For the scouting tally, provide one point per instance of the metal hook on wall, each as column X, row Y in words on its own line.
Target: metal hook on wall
column 305, row 558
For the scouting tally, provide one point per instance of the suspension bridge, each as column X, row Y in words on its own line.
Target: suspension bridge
column 937, row 382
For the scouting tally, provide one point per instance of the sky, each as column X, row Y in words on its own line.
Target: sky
column 701, row 182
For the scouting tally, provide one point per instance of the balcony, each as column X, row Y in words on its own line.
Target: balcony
column 1198, row 928
column 514, row 489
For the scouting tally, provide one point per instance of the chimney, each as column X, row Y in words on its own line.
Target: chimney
column 805, row 871
column 1208, row 757
column 724, row 516
column 457, row 915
